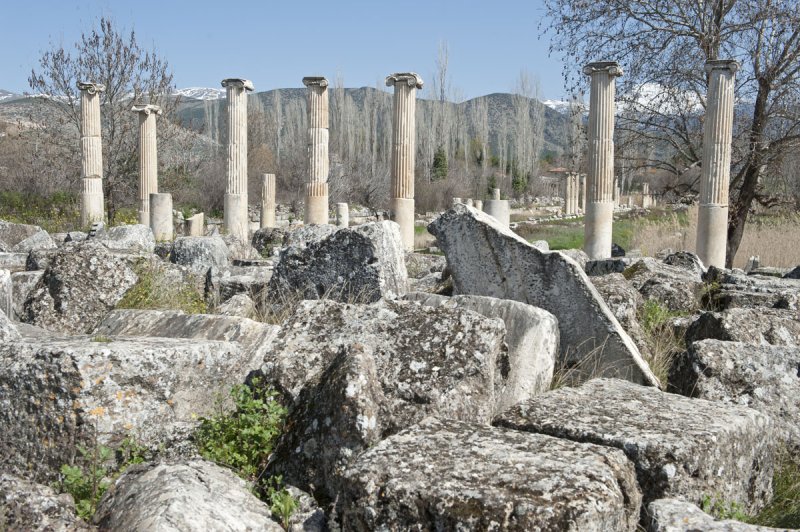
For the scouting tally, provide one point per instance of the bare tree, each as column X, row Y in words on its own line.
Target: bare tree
column 663, row 46
column 105, row 55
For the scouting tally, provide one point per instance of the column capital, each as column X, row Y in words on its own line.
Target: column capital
column 411, row 78
column 91, row 87
column 238, row 83
column 730, row 65
column 146, row 108
column 315, row 81
column 611, row 67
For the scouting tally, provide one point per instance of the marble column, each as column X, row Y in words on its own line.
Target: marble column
column 712, row 220
column 195, row 225
column 161, row 216
column 235, row 218
column 342, row 215
column 267, row 200
column 148, row 158
column 600, row 186
column 401, row 205
column 92, row 205
column 318, row 162
column 645, row 195
column 479, row 204
column 497, row 208
column 582, row 201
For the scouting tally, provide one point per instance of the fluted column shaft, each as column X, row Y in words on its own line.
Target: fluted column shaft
column 92, row 204
column 318, row 160
column 235, row 219
column 712, row 222
column 148, row 158
column 267, row 200
column 600, row 186
column 403, row 151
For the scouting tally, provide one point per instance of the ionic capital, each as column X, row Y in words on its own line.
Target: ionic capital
column 611, row 67
column 91, row 88
column 146, row 108
column 411, row 78
column 316, row 81
column 722, row 64
column 244, row 84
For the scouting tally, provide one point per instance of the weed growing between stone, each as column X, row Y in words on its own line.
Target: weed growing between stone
column 662, row 342
column 243, row 440
column 783, row 511
column 155, row 290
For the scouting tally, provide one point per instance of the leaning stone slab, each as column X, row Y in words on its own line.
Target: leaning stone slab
column 683, row 448
column 362, row 264
column 488, row 259
column 764, row 326
column 54, row 395
column 762, row 377
column 190, row 495
column 671, row 515
column 26, row 505
column 531, row 336
column 448, row 475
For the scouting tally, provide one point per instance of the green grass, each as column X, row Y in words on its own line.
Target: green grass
column 55, row 214
column 155, row 291
column 784, row 509
column 420, row 229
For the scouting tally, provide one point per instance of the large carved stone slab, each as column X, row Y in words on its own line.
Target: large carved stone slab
column 487, row 259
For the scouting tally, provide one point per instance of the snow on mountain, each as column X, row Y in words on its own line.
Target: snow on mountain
column 201, row 93
column 5, row 95
column 562, row 106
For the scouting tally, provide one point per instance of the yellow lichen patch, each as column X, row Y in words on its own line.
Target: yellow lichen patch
column 98, row 411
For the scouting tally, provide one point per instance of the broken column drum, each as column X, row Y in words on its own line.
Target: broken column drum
column 267, row 200
column 712, row 219
column 497, row 208
column 148, row 158
column 92, row 208
column 235, row 219
column 342, row 215
column 403, row 151
column 161, row 216
column 318, row 163
column 600, row 186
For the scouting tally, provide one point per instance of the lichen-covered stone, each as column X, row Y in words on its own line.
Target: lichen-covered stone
column 764, row 326
column 487, row 259
column 682, row 447
column 22, row 285
column 25, row 505
column 55, row 393
column 763, row 377
column 8, row 331
column 624, row 301
column 268, row 240
column 240, row 305
column 448, row 475
column 420, row 265
column 676, row 287
column 190, row 495
column 531, row 336
column 364, row 264
column 23, row 238
column 731, row 289
column 671, row 515
column 82, row 283
column 6, row 293
column 134, row 238
column 199, row 253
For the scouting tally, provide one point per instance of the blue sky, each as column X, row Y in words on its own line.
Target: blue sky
column 277, row 43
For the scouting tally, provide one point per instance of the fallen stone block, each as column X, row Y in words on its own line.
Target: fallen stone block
column 763, row 377
column 683, row 448
column 448, row 475
column 190, row 495
column 134, row 238
column 6, row 293
column 487, row 259
column 199, row 253
column 728, row 289
column 764, row 326
column 531, row 336
column 23, row 238
column 26, row 505
column 671, row 515
column 240, row 305
column 8, row 331
column 677, row 286
column 13, row 262
column 22, row 285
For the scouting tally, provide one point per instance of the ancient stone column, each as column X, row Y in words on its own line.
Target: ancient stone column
column 401, row 205
column 235, row 218
column 576, row 183
column 645, row 195
column 92, row 208
column 712, row 220
column 497, row 208
column 318, row 163
column 267, row 200
column 342, row 215
column 148, row 157
column 195, row 225
column 600, row 186
column 161, row 216
column 583, row 192
column 456, row 201
column 479, row 204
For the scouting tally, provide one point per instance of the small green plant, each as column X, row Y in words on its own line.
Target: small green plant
column 102, row 339
column 281, row 502
column 88, row 481
column 783, row 511
column 722, row 509
column 663, row 344
column 155, row 289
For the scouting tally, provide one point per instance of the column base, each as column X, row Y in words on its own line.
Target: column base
column 316, row 210
column 402, row 212
column 499, row 210
column 235, row 219
column 597, row 230
column 92, row 201
column 267, row 217
column 161, row 216
column 144, row 217
column 712, row 235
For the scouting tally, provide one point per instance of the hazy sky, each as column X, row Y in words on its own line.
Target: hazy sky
column 275, row 43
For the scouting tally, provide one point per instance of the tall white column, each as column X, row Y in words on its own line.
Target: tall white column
column 235, row 218
column 600, row 187
column 318, row 162
column 267, row 200
column 92, row 205
column 404, row 139
column 712, row 220
column 148, row 158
